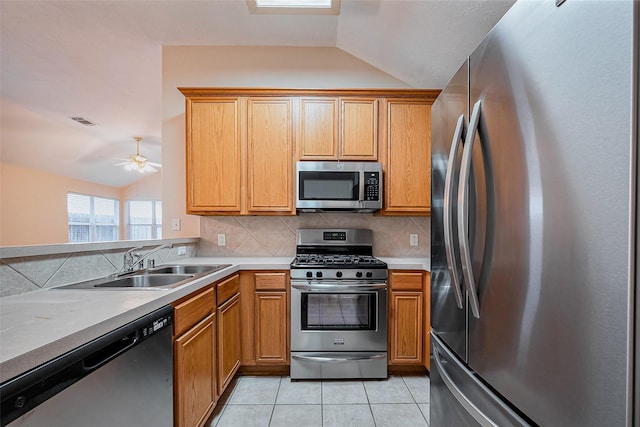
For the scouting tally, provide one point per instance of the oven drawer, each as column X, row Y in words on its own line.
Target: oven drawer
column 338, row 365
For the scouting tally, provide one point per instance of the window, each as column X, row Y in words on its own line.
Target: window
column 306, row 7
column 144, row 219
column 92, row 219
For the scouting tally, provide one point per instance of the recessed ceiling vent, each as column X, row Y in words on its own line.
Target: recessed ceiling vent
column 83, row 121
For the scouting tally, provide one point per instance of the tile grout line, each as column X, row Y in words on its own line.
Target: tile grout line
column 275, row 401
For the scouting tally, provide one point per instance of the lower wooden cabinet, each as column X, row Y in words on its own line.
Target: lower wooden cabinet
column 271, row 332
column 195, row 373
column 195, row 390
column 406, row 318
column 265, row 320
column 228, row 341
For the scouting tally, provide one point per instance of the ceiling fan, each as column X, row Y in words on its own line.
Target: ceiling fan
column 138, row 162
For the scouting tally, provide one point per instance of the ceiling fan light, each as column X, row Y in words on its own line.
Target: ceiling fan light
column 138, row 162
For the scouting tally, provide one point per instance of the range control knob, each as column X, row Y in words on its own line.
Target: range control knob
column 318, row 273
column 309, row 274
column 369, row 274
column 338, row 273
column 359, row 274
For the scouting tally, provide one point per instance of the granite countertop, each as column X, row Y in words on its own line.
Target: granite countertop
column 39, row 326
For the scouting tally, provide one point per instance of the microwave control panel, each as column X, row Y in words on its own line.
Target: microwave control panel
column 372, row 186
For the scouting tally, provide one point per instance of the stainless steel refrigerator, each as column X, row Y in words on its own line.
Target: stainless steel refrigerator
column 534, row 214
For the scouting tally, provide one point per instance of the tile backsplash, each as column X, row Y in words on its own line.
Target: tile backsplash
column 20, row 275
column 276, row 235
column 244, row 236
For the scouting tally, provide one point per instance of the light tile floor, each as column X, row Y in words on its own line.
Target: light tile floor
column 250, row 401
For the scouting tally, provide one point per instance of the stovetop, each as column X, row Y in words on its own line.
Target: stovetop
column 336, row 261
column 337, row 255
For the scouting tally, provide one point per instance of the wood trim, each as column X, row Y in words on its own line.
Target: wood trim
column 427, row 94
column 427, row 320
column 247, row 314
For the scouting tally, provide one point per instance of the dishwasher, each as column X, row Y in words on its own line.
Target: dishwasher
column 123, row 378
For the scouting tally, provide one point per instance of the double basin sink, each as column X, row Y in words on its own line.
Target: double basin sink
column 161, row 277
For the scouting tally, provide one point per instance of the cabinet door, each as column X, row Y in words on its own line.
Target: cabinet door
column 408, row 157
column 195, row 387
column 359, row 129
column 271, row 327
column 270, row 151
column 214, row 167
column 406, row 328
column 228, row 341
column 318, row 138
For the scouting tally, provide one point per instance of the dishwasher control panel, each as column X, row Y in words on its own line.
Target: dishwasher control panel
column 156, row 325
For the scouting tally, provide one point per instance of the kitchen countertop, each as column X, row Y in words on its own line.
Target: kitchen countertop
column 39, row 326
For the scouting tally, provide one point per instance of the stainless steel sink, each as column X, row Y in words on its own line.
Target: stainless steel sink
column 186, row 269
column 146, row 281
column 162, row 277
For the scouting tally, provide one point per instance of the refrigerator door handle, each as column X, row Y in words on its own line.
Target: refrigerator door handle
column 458, row 135
column 463, row 210
column 467, row 404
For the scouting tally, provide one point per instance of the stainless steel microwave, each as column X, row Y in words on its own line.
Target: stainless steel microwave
column 338, row 186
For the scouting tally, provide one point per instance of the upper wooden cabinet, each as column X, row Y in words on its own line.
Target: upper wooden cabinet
column 338, row 128
column 359, row 129
column 214, row 165
column 241, row 144
column 406, row 157
column 318, row 129
column 270, row 155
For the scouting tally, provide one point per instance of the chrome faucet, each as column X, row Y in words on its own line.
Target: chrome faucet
column 133, row 259
column 128, row 259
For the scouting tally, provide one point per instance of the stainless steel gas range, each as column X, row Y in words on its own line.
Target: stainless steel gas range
column 338, row 306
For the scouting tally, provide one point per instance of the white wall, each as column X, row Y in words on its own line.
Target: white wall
column 242, row 66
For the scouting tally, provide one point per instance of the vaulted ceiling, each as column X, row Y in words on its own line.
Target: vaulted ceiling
column 103, row 60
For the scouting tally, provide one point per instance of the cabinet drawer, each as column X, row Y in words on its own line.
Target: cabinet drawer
column 193, row 310
column 227, row 288
column 406, row 281
column 271, row 281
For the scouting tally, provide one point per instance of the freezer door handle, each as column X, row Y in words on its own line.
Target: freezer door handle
column 458, row 135
column 467, row 404
column 463, row 210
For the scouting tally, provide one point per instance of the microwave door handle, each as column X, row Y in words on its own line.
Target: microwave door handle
column 361, row 188
column 458, row 135
column 463, row 210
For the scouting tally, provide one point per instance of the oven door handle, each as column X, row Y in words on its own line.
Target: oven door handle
column 342, row 288
column 338, row 359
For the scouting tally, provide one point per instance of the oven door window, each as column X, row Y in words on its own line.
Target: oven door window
column 321, row 312
column 328, row 185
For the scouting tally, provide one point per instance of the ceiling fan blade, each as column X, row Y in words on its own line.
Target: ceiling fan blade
column 157, row 165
